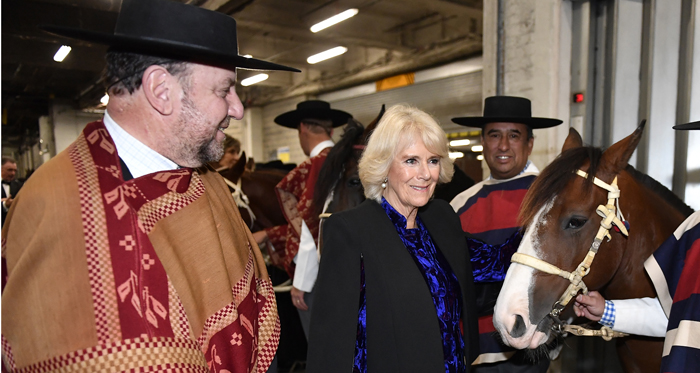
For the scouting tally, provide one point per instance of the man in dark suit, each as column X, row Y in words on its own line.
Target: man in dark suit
column 10, row 186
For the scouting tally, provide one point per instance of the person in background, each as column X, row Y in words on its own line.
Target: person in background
column 675, row 312
column 136, row 257
column 394, row 291
column 10, row 185
column 488, row 212
column 314, row 120
column 232, row 152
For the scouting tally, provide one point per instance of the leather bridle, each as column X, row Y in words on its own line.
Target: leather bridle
column 611, row 215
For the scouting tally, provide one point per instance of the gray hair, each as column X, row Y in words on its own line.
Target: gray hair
column 398, row 126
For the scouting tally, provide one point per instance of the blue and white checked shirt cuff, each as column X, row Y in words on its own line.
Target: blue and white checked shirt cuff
column 608, row 318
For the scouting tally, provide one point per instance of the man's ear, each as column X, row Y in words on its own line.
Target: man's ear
column 157, row 85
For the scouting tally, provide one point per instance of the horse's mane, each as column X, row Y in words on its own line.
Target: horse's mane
column 334, row 163
column 554, row 178
column 661, row 191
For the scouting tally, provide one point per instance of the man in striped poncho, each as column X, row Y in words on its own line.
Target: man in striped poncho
column 675, row 312
column 489, row 211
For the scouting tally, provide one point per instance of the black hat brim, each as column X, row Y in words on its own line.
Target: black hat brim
column 480, row 122
column 167, row 48
column 291, row 119
column 688, row 126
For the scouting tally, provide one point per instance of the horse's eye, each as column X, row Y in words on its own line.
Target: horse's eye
column 575, row 223
column 354, row 182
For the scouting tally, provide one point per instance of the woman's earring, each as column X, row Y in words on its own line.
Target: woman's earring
column 384, row 183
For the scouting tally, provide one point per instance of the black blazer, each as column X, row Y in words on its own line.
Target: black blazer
column 403, row 334
column 14, row 189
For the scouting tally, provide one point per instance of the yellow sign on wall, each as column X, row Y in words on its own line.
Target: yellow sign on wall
column 395, row 81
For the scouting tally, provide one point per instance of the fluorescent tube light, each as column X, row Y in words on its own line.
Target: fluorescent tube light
column 477, row 148
column 248, row 56
column 333, row 20
column 62, row 53
column 254, row 79
column 463, row 142
column 455, row 155
column 333, row 52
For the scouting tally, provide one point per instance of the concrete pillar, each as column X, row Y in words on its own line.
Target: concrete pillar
column 536, row 47
column 47, row 143
column 253, row 133
column 68, row 123
column 692, row 189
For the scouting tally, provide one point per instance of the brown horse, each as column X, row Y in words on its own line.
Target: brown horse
column 560, row 217
column 254, row 192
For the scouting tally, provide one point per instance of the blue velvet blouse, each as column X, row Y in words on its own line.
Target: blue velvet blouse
column 444, row 289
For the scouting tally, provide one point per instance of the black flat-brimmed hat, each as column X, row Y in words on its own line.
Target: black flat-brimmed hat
column 688, row 126
column 166, row 28
column 507, row 109
column 312, row 109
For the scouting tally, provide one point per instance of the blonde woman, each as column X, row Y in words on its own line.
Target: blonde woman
column 395, row 291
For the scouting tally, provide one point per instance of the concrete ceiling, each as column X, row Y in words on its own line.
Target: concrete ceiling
column 386, row 38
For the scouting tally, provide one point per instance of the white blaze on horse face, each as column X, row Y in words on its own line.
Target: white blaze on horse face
column 514, row 298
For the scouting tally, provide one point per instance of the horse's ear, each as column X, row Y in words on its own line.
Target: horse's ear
column 574, row 140
column 238, row 168
column 617, row 156
column 250, row 165
column 370, row 127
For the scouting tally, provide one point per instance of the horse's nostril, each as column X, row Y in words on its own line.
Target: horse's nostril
column 518, row 328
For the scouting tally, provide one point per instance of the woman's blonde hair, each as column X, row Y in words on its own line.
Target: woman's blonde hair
column 399, row 125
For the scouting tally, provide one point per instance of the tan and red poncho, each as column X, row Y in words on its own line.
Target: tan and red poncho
column 157, row 273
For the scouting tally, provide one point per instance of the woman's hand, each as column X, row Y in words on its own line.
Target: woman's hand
column 298, row 299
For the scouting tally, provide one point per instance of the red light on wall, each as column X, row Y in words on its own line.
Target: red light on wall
column 578, row 98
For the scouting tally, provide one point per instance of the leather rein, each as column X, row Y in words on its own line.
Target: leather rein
column 611, row 215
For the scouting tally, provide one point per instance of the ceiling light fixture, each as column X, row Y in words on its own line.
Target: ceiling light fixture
column 333, row 20
column 248, row 56
column 477, row 148
column 463, row 142
column 333, row 52
column 62, row 53
column 455, row 155
column 480, row 157
column 104, row 100
column 254, row 79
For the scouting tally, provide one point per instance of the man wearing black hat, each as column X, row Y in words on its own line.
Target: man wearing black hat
column 10, row 185
column 489, row 210
column 136, row 258
column 675, row 312
column 315, row 120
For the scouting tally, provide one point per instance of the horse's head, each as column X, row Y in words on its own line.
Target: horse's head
column 339, row 172
column 560, row 222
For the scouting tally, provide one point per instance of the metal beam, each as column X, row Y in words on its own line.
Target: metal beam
column 685, row 74
column 448, row 52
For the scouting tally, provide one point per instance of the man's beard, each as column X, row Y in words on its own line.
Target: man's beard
column 197, row 148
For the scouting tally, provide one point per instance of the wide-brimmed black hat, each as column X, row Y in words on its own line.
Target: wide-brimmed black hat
column 688, row 126
column 312, row 109
column 507, row 109
column 166, row 28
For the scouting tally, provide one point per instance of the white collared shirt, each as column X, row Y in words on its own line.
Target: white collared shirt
column 139, row 158
column 307, row 259
column 319, row 148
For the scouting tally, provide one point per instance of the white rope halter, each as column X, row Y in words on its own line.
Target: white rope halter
column 241, row 199
column 611, row 215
